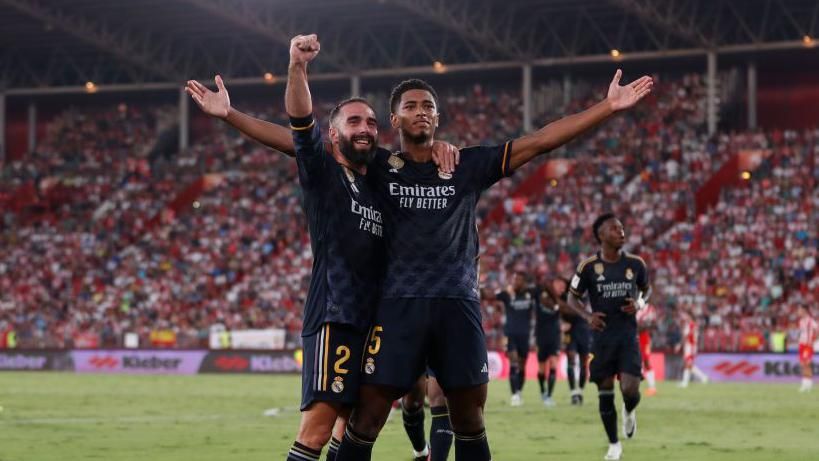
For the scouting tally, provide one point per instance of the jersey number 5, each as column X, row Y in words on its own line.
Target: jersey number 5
column 375, row 340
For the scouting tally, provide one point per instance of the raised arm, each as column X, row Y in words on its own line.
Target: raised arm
column 217, row 104
column 564, row 130
column 297, row 99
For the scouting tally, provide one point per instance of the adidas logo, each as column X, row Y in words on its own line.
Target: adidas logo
column 485, row 368
column 600, row 278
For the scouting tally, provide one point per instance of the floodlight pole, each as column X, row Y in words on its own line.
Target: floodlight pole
column 526, row 89
column 711, row 92
column 184, row 120
column 3, row 147
column 567, row 90
column 752, row 94
column 355, row 86
column 32, row 126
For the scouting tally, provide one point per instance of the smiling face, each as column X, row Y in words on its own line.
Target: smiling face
column 354, row 130
column 416, row 116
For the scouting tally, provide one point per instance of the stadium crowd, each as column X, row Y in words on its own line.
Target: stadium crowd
column 98, row 249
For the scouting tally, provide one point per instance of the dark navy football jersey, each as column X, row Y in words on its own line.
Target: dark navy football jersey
column 608, row 285
column 547, row 318
column 346, row 235
column 430, row 223
column 518, row 311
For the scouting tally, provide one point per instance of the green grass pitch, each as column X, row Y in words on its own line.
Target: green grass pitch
column 56, row 416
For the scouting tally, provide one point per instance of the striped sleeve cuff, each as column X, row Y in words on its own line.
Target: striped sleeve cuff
column 302, row 123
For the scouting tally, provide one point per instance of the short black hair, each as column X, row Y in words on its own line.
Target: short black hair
column 407, row 85
column 337, row 109
column 598, row 223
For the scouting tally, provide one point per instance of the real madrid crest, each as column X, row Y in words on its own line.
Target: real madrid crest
column 338, row 385
column 396, row 162
column 369, row 367
column 351, row 178
column 629, row 273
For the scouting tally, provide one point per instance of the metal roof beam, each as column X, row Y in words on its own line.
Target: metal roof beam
column 672, row 21
column 261, row 19
column 471, row 23
column 132, row 49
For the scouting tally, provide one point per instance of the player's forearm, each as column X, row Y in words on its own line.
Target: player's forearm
column 559, row 132
column 297, row 99
column 269, row 134
column 577, row 307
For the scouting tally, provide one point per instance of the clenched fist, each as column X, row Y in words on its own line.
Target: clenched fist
column 303, row 48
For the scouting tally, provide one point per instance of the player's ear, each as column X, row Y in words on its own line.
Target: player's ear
column 333, row 133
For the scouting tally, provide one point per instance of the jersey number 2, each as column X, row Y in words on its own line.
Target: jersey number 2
column 343, row 354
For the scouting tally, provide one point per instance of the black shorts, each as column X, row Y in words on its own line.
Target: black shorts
column 331, row 370
column 518, row 343
column 548, row 342
column 580, row 339
column 613, row 354
column 411, row 334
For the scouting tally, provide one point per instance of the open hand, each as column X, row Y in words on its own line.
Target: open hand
column 623, row 97
column 216, row 104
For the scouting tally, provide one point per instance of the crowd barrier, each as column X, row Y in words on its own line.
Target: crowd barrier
column 718, row 367
column 770, row 368
column 138, row 361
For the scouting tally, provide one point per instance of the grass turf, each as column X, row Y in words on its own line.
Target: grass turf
column 59, row 416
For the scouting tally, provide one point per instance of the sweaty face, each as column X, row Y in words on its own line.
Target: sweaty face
column 416, row 116
column 613, row 233
column 355, row 130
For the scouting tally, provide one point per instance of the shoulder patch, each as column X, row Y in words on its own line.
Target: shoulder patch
column 585, row 262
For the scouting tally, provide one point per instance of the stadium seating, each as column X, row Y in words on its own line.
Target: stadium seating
column 98, row 236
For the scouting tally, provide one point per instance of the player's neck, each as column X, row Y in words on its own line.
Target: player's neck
column 344, row 161
column 418, row 153
column 610, row 254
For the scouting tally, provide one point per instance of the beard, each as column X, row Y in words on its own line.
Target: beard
column 417, row 138
column 355, row 154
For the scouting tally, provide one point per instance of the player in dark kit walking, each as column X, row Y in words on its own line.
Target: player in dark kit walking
column 547, row 335
column 429, row 313
column 617, row 285
column 518, row 302
column 577, row 356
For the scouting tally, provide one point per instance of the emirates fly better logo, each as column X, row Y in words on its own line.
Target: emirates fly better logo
column 729, row 368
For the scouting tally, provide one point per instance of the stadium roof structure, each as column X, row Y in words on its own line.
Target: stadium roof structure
column 58, row 46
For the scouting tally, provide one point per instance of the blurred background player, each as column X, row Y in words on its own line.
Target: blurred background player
column 690, row 338
column 518, row 302
column 807, row 336
column 577, row 355
column 646, row 321
column 548, row 336
column 617, row 286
